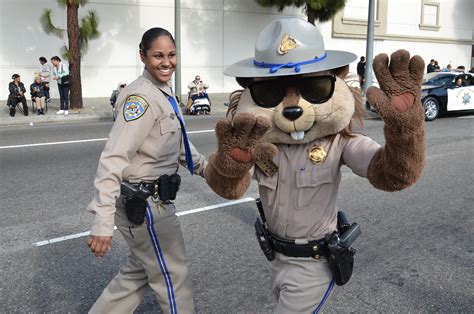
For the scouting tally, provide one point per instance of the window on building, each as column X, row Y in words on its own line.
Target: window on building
column 429, row 15
column 358, row 9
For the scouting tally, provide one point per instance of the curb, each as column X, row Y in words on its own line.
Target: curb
column 72, row 117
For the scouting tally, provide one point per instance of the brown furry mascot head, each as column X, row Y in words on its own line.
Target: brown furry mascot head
column 290, row 53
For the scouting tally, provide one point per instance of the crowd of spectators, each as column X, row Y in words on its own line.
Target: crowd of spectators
column 39, row 89
column 433, row 66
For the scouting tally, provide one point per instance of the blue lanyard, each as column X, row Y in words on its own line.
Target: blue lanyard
column 187, row 148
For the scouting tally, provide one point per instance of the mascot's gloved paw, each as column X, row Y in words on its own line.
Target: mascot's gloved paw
column 398, row 99
column 239, row 144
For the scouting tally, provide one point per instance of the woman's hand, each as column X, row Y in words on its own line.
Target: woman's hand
column 99, row 245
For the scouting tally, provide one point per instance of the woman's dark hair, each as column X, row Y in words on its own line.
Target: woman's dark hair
column 56, row 58
column 150, row 35
column 43, row 59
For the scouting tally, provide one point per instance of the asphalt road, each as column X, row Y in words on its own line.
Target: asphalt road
column 415, row 253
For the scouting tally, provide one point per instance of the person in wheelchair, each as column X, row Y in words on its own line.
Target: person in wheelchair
column 197, row 89
column 38, row 94
column 17, row 95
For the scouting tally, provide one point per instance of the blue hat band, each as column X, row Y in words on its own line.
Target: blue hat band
column 274, row 67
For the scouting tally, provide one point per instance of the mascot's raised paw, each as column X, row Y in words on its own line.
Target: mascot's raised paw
column 400, row 86
column 239, row 147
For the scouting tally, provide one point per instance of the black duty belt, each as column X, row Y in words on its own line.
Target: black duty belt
column 164, row 188
column 315, row 249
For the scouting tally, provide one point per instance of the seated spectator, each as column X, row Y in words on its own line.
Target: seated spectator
column 447, row 68
column 460, row 68
column 17, row 95
column 37, row 90
column 471, row 70
column 116, row 93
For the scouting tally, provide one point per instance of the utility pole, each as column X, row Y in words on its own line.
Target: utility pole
column 177, row 39
column 369, row 53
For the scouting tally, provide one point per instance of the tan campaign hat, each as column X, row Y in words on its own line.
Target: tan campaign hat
column 289, row 46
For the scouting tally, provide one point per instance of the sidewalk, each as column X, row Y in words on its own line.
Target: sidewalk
column 97, row 109
column 94, row 109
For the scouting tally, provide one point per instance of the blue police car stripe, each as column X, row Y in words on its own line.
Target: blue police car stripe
column 326, row 296
column 160, row 259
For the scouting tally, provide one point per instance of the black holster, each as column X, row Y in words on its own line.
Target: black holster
column 341, row 262
column 135, row 195
column 135, row 209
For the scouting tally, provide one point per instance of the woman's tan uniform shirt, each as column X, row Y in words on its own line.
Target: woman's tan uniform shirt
column 138, row 150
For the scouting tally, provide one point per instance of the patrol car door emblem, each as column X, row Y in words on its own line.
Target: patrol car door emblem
column 317, row 154
column 287, row 44
column 134, row 108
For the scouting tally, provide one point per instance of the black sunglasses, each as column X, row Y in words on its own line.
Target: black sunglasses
column 314, row 89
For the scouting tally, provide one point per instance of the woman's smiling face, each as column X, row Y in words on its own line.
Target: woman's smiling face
column 160, row 58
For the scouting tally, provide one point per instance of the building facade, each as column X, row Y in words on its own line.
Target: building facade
column 217, row 33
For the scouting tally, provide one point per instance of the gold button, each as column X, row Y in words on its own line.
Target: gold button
column 315, row 248
column 317, row 256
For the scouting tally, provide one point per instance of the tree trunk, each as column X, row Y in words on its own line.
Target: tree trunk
column 75, row 55
column 311, row 14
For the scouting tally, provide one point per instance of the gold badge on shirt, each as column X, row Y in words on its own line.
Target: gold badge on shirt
column 287, row 44
column 317, row 154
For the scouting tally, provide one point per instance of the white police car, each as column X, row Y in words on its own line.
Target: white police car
column 443, row 92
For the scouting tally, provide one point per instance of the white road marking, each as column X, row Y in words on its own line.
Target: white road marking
column 184, row 213
column 55, row 143
column 81, row 141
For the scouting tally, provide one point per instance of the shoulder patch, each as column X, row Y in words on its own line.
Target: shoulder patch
column 134, row 108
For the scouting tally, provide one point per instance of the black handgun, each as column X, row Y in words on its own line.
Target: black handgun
column 342, row 222
column 129, row 190
column 350, row 235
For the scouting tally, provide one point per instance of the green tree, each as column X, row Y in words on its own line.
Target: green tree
column 79, row 33
column 321, row 10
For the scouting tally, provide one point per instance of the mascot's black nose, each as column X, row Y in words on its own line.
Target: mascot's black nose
column 292, row 113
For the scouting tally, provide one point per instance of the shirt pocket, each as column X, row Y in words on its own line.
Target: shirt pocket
column 170, row 135
column 309, row 184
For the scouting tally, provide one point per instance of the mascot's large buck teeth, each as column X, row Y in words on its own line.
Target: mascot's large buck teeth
column 297, row 136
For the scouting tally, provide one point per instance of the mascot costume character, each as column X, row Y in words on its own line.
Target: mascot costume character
column 290, row 129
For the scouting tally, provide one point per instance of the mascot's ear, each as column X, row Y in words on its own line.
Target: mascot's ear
column 244, row 81
column 341, row 72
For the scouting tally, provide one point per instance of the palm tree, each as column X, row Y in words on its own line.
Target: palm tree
column 321, row 10
column 79, row 34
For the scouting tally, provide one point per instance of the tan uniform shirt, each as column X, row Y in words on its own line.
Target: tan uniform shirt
column 138, row 150
column 299, row 200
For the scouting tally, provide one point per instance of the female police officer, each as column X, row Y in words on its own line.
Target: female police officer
column 146, row 144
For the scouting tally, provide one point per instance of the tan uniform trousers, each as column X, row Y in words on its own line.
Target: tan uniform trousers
column 301, row 285
column 157, row 260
